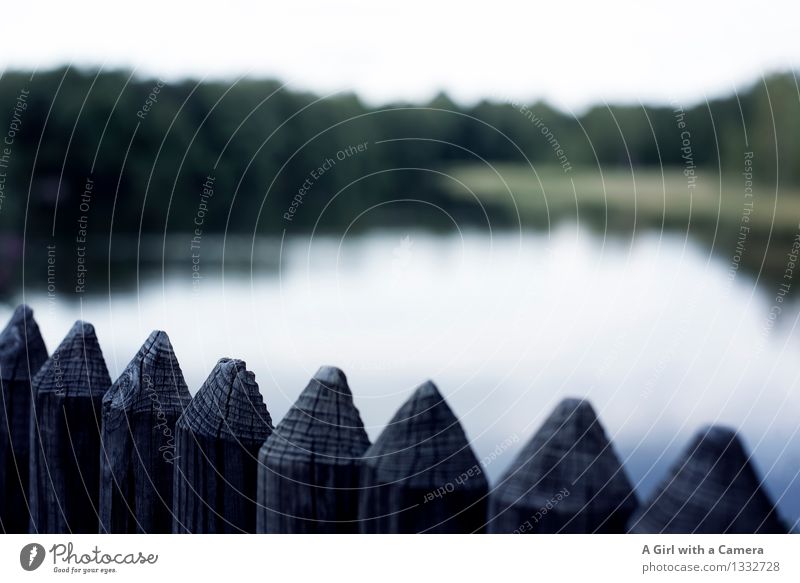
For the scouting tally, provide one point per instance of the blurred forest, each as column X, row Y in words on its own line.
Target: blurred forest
column 148, row 148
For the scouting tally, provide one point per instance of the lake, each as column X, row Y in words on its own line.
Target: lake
column 660, row 335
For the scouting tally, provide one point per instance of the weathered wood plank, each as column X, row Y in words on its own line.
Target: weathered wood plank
column 421, row 474
column 567, row 479
column 308, row 474
column 65, row 435
column 138, row 442
column 22, row 353
column 712, row 489
column 216, row 459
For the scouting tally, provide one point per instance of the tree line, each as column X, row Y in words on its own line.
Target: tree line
column 148, row 147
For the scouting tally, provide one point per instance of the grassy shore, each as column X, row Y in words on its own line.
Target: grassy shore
column 748, row 225
column 617, row 197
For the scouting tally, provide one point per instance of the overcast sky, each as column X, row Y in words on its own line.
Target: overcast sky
column 570, row 53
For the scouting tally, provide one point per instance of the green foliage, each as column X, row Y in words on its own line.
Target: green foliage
column 262, row 142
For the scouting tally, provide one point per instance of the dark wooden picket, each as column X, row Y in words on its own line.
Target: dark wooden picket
column 216, row 458
column 138, row 440
column 567, row 479
column 309, row 466
column 421, row 474
column 22, row 353
column 65, row 435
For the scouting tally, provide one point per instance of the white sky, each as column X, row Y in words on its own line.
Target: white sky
column 571, row 53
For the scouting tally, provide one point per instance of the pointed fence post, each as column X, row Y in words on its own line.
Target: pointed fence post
column 567, row 479
column 712, row 489
column 216, row 459
column 65, row 435
column 138, row 441
column 308, row 473
column 421, row 474
column 22, row 353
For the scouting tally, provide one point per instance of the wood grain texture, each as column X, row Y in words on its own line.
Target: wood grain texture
column 22, row 353
column 308, row 474
column 421, row 474
column 138, row 440
column 65, row 435
column 567, row 479
column 712, row 489
column 217, row 443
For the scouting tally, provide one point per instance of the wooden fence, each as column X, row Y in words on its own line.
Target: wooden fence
column 79, row 454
